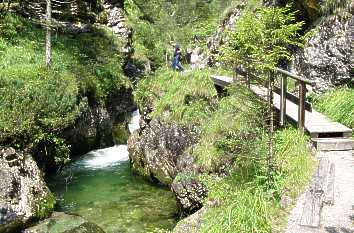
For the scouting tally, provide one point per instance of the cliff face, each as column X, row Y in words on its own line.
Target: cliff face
column 328, row 56
column 94, row 129
column 24, row 195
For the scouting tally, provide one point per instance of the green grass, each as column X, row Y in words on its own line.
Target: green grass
column 237, row 119
column 232, row 134
column 37, row 103
column 179, row 97
column 338, row 105
column 248, row 204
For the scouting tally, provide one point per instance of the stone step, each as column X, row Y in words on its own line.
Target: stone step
column 333, row 144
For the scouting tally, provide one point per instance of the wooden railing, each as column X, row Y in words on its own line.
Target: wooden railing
column 284, row 94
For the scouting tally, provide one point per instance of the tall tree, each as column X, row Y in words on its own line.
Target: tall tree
column 260, row 39
column 48, row 44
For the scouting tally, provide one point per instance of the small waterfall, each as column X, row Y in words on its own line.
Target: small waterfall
column 102, row 158
column 134, row 122
column 101, row 187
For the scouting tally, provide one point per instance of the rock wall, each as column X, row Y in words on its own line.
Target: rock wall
column 94, row 128
column 154, row 151
column 158, row 152
column 24, row 195
column 328, row 56
column 217, row 39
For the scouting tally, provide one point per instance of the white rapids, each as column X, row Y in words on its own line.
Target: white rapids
column 111, row 156
column 104, row 157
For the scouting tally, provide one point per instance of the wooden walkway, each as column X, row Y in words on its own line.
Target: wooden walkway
column 317, row 125
column 327, row 204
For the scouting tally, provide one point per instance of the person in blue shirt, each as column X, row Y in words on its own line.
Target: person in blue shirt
column 177, row 57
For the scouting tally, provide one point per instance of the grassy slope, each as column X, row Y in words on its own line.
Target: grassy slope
column 248, row 203
column 338, row 105
column 231, row 128
column 36, row 103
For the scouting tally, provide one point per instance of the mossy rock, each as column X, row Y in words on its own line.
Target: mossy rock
column 45, row 206
column 65, row 223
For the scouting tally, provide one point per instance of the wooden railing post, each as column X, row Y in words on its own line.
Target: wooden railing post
column 301, row 113
column 284, row 84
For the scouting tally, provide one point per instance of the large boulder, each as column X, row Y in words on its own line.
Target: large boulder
column 24, row 195
column 328, row 56
column 154, row 150
column 190, row 194
column 192, row 223
column 64, row 223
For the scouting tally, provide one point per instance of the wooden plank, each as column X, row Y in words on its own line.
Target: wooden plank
column 222, row 81
column 301, row 109
column 311, row 213
column 296, row 77
column 329, row 195
column 283, row 98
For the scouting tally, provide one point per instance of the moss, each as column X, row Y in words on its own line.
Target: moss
column 120, row 133
column 45, row 206
column 183, row 176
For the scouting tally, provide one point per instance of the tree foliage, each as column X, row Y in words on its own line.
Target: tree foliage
column 261, row 38
column 37, row 104
column 157, row 23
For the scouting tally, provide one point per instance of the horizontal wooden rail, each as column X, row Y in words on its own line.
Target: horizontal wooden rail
column 300, row 101
column 296, row 77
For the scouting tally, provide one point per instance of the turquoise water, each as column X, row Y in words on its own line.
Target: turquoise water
column 101, row 188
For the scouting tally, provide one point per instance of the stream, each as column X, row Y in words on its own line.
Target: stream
column 100, row 187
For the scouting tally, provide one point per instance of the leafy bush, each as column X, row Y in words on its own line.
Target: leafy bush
column 10, row 25
column 37, row 103
column 261, row 38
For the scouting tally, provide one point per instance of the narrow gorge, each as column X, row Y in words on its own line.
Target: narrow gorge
column 110, row 137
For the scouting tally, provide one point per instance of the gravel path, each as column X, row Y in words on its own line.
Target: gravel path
column 337, row 218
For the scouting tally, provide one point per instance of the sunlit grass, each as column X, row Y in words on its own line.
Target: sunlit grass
column 247, row 203
column 338, row 105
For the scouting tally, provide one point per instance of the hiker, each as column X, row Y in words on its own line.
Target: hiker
column 177, row 57
column 195, row 58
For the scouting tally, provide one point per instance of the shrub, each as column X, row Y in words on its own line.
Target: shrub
column 37, row 103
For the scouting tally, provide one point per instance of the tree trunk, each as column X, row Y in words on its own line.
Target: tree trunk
column 48, row 44
column 271, row 123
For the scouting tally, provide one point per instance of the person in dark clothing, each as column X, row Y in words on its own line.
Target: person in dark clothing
column 177, row 57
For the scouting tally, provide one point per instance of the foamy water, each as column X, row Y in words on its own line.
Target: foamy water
column 104, row 157
column 134, row 122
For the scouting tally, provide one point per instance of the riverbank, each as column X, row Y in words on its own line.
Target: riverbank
column 100, row 187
